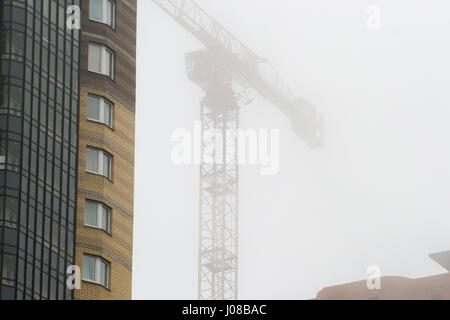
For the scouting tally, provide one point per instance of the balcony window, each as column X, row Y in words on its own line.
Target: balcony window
column 99, row 110
column 95, row 269
column 101, row 60
column 98, row 162
column 102, row 11
column 97, row 215
column 9, row 160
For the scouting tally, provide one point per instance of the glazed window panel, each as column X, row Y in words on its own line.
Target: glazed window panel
column 106, row 164
column 13, row 153
column 89, row 268
column 102, row 11
column 2, row 153
column 92, row 164
column 94, row 58
column 90, row 213
column 12, row 42
column 110, row 13
column 9, row 269
column 3, row 96
column 95, row 10
column 93, row 108
column 103, row 273
column 99, row 109
column 11, row 209
column 97, row 215
column 5, row 42
column 96, row 269
column 9, row 154
column 98, row 162
column 17, row 44
column 100, row 60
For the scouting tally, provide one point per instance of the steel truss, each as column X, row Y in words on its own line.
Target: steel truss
column 227, row 62
column 219, row 203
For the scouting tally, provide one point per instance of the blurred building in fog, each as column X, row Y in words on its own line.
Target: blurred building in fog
column 435, row 287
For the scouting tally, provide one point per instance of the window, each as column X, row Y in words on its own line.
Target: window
column 102, row 11
column 11, row 211
column 9, row 269
column 12, row 42
column 95, row 269
column 101, row 60
column 2, row 154
column 9, row 208
column 97, row 215
column 4, row 97
column 9, row 160
column 99, row 109
column 98, row 161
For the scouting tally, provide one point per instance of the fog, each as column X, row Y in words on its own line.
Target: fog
column 375, row 194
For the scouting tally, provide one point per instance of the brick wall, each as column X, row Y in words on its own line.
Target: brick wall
column 117, row 193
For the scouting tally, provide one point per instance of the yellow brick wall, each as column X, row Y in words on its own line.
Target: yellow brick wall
column 117, row 193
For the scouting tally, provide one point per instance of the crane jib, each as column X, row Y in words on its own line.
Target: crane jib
column 225, row 62
column 254, row 71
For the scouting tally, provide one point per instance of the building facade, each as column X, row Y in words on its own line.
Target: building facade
column 436, row 287
column 67, row 100
column 106, row 148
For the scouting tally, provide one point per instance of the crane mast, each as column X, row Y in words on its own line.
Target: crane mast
column 224, row 70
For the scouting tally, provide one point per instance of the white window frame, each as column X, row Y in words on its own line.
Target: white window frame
column 97, row 270
column 103, row 57
column 104, row 19
column 100, row 157
column 101, row 207
column 101, row 112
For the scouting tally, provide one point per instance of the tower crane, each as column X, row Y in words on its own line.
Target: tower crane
column 226, row 70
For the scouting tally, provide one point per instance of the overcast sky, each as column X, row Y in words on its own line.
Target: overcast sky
column 376, row 194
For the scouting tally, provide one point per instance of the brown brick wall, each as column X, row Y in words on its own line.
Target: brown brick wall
column 117, row 193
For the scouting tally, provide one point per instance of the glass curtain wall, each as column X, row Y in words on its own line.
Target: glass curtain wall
column 39, row 104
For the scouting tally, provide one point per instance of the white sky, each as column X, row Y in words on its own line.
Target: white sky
column 378, row 193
